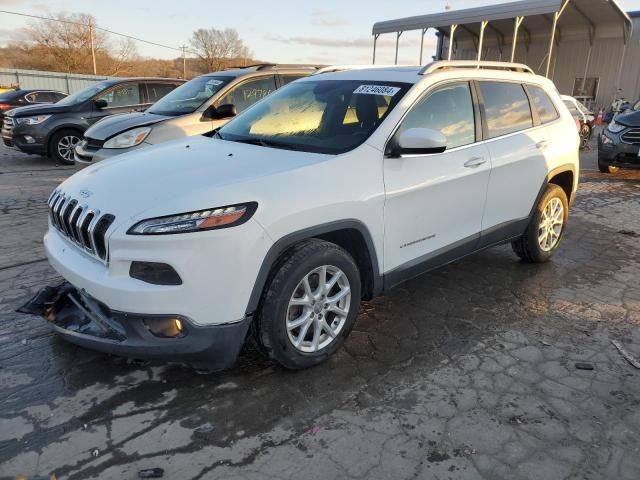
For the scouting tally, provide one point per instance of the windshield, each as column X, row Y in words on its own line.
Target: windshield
column 84, row 94
column 322, row 116
column 189, row 96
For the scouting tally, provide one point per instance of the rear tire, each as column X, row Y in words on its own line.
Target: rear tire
column 546, row 227
column 299, row 323
column 62, row 146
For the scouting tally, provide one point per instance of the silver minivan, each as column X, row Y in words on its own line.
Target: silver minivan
column 196, row 107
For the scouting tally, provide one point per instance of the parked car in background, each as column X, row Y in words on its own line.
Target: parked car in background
column 20, row 98
column 327, row 192
column 55, row 130
column 199, row 106
column 619, row 143
column 585, row 118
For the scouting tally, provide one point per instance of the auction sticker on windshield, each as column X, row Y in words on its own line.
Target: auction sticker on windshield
column 377, row 90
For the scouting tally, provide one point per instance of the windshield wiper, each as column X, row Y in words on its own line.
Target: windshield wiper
column 267, row 143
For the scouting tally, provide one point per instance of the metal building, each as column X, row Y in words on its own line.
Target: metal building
column 586, row 46
column 63, row 82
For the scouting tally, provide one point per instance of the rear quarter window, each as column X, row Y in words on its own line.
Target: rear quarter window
column 542, row 104
column 506, row 108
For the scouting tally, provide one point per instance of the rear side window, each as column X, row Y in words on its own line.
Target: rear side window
column 449, row 110
column 38, row 97
column 247, row 93
column 543, row 105
column 156, row 91
column 506, row 108
column 290, row 78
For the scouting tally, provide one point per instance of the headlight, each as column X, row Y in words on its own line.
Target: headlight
column 130, row 138
column 37, row 120
column 615, row 127
column 213, row 218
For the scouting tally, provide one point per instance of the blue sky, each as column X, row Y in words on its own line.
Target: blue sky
column 287, row 31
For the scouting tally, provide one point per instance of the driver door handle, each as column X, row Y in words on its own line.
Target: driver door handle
column 542, row 144
column 475, row 162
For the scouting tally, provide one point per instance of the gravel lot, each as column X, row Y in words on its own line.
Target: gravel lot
column 467, row 372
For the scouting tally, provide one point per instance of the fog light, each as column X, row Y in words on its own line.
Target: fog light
column 165, row 327
column 606, row 140
column 154, row 273
column 29, row 139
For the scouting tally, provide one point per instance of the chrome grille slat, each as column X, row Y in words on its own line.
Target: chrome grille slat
column 78, row 221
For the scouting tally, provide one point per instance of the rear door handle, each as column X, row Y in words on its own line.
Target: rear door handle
column 475, row 162
column 542, row 144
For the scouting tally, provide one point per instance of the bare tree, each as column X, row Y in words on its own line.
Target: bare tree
column 67, row 40
column 215, row 48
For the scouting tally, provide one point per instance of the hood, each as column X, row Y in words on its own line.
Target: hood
column 182, row 175
column 44, row 109
column 114, row 124
column 630, row 119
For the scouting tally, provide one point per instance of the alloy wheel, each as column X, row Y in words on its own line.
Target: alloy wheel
column 551, row 223
column 318, row 309
column 67, row 145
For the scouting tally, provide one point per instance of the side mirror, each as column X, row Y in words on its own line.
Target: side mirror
column 419, row 141
column 227, row 110
column 101, row 103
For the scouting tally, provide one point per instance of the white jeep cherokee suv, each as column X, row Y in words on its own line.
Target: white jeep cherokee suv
column 329, row 191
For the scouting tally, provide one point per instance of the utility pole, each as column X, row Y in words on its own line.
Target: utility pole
column 184, row 61
column 93, row 48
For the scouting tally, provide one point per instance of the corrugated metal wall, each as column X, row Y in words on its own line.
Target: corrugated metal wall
column 68, row 83
column 569, row 57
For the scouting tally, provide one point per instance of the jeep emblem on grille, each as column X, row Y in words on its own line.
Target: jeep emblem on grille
column 85, row 193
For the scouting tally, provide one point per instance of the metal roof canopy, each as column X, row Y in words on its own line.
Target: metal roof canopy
column 506, row 20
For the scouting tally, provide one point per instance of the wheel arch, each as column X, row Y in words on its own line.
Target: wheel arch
column 352, row 235
column 58, row 128
column 565, row 177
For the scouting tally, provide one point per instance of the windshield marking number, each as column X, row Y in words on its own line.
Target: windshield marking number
column 377, row 90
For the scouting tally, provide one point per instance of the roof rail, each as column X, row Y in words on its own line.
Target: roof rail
column 343, row 68
column 274, row 66
column 447, row 64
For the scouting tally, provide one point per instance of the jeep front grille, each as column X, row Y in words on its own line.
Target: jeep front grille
column 632, row 136
column 80, row 223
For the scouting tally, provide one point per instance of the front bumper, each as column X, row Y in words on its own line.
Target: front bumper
column 27, row 138
column 85, row 321
column 618, row 153
column 85, row 154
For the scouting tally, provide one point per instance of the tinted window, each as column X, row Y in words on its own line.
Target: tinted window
column 506, row 108
column 57, row 96
column 122, row 95
column 156, row 91
column 248, row 93
column 290, row 78
column 38, row 97
column 448, row 110
column 542, row 103
column 323, row 116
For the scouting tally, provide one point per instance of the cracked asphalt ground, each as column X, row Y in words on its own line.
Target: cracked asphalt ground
column 467, row 372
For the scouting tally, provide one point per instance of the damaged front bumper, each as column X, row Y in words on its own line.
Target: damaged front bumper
column 85, row 321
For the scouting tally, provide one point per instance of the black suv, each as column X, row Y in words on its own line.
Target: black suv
column 54, row 130
column 619, row 143
column 22, row 97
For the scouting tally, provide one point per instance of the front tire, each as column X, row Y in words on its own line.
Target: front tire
column 310, row 304
column 546, row 227
column 63, row 144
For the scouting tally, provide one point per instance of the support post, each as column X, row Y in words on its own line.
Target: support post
column 375, row 41
column 483, row 25
column 424, row 30
column 619, row 78
column 514, row 42
column 556, row 17
column 452, row 32
column 397, row 44
column 93, row 49
column 184, row 62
